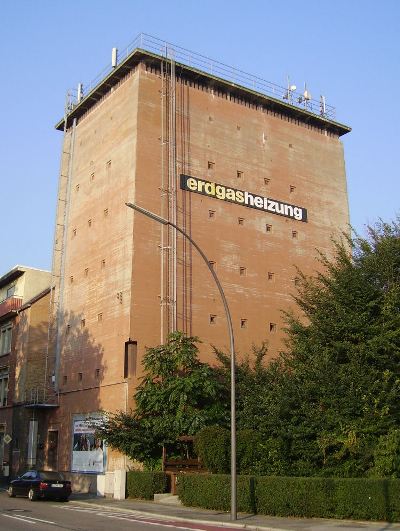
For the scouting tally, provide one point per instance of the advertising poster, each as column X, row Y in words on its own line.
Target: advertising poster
column 88, row 452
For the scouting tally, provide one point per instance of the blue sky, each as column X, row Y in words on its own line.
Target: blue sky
column 347, row 50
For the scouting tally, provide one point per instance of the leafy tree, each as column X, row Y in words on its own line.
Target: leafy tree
column 178, row 395
column 322, row 406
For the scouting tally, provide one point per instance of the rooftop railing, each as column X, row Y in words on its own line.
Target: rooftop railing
column 214, row 68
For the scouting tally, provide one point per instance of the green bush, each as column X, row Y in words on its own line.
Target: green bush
column 289, row 496
column 213, row 491
column 387, row 455
column 212, row 445
column 145, row 484
column 249, row 451
column 353, row 498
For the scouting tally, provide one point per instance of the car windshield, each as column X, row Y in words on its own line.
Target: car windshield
column 52, row 476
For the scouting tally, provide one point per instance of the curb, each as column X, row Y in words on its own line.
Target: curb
column 181, row 519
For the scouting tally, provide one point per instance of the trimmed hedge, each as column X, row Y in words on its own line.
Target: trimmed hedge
column 213, row 491
column 358, row 498
column 145, row 484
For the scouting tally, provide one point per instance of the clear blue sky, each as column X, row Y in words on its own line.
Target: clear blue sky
column 347, row 50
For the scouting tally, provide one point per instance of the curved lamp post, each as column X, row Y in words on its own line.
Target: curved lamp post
column 231, row 340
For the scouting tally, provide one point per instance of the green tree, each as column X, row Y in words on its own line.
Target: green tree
column 322, row 406
column 178, row 395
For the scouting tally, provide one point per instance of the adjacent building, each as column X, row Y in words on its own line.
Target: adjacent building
column 24, row 318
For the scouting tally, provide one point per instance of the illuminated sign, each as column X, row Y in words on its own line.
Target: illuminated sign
column 240, row 197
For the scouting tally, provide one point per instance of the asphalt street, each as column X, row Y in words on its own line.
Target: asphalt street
column 20, row 514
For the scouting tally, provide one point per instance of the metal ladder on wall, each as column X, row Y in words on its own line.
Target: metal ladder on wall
column 168, row 296
column 50, row 381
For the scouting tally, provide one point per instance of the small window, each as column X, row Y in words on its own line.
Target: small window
column 294, row 233
column 211, row 213
column 68, row 329
column 105, row 212
column 10, row 291
column 296, row 281
column 103, row 263
column 130, row 357
column 65, row 379
column 108, row 168
column 83, row 323
column 3, row 386
column 71, row 279
column 268, row 228
column 86, row 271
column 210, row 165
column 240, row 221
column 210, row 119
column 99, row 317
column 213, row 319
column 292, row 189
column 242, row 271
column 74, row 233
column 212, row 264
column 238, row 127
column 92, row 177
column 97, row 374
column 290, row 145
column 80, row 376
column 272, row 327
column 89, row 222
column 243, row 323
column 5, row 339
column 271, row 275
column 239, row 174
column 267, row 181
column 77, row 187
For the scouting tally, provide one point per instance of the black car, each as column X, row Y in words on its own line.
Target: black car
column 40, row 484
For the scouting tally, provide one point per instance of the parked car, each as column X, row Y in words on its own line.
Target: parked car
column 37, row 484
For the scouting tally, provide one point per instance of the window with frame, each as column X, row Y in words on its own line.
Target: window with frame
column 11, row 291
column 5, row 339
column 3, row 386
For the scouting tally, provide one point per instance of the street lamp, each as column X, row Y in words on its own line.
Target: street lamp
column 231, row 340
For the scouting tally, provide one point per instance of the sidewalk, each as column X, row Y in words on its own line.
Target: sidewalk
column 252, row 522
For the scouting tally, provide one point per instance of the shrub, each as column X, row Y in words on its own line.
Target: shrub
column 387, row 455
column 213, row 491
column 212, row 445
column 249, row 451
column 289, row 496
column 354, row 498
column 145, row 484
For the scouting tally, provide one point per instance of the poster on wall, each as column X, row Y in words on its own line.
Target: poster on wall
column 88, row 452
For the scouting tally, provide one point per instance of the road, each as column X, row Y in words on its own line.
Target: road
column 19, row 514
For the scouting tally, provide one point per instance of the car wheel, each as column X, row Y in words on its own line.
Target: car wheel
column 32, row 495
column 11, row 492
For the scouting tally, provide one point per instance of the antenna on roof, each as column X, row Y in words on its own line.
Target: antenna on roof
column 322, row 106
column 306, row 97
column 114, row 57
column 288, row 95
column 80, row 92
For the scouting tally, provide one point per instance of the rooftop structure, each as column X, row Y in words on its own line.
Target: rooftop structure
column 198, row 67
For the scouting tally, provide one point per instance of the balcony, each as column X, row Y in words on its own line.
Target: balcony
column 41, row 398
column 10, row 305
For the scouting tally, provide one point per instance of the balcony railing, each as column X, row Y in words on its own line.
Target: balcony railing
column 41, row 397
column 9, row 305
